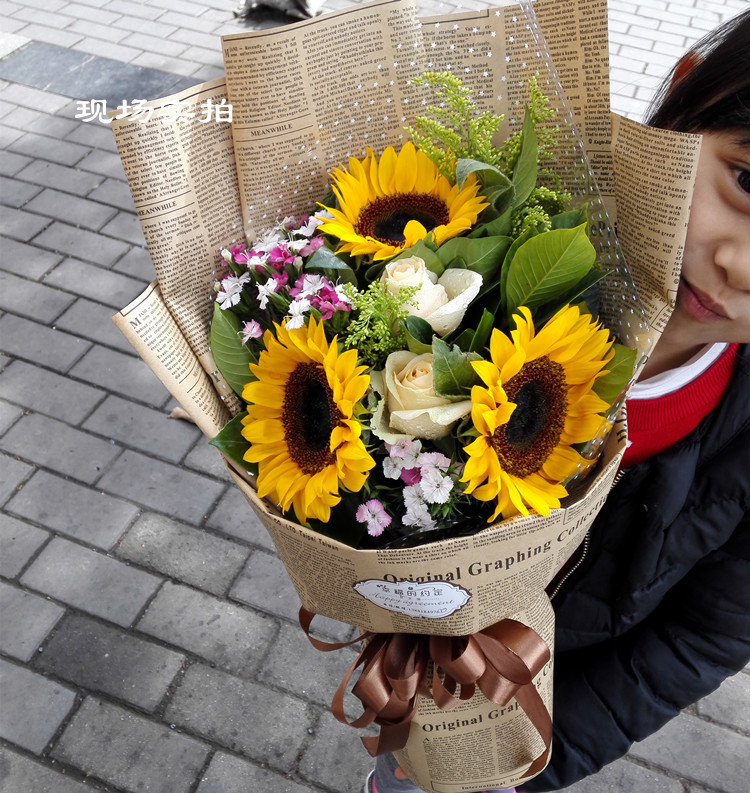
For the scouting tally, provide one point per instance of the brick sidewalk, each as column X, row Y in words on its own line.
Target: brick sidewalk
column 149, row 638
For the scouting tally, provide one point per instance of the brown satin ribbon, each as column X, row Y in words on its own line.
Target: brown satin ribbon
column 501, row 661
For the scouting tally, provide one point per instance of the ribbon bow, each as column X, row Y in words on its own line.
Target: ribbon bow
column 502, row 661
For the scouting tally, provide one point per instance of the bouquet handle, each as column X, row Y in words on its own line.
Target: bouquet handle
column 400, row 668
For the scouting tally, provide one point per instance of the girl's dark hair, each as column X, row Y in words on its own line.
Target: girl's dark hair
column 709, row 89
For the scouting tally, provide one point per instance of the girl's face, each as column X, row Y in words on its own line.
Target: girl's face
column 713, row 299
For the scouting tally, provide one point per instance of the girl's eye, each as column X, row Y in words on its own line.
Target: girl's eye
column 743, row 180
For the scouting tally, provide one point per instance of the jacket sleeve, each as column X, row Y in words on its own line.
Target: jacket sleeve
column 615, row 693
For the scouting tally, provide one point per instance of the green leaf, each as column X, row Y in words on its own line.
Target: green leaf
column 570, row 219
column 483, row 331
column 483, row 255
column 231, row 356
column 326, row 260
column 491, row 176
column 418, row 335
column 502, row 306
column 464, row 339
column 590, row 280
column 499, row 226
column 610, row 386
column 231, row 443
column 374, row 272
column 547, row 265
column 526, row 170
column 452, row 372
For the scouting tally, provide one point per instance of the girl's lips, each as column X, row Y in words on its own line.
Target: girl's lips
column 699, row 305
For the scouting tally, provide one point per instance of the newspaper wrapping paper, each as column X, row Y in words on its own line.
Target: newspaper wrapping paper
column 454, row 587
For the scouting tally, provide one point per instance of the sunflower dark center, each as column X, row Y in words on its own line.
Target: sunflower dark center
column 385, row 218
column 539, row 392
column 309, row 414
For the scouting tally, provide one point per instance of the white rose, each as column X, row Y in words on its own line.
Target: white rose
column 412, row 272
column 442, row 302
column 412, row 407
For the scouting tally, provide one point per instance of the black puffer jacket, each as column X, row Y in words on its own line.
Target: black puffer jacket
column 658, row 613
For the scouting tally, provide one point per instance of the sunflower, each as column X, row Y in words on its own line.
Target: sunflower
column 387, row 206
column 537, row 403
column 301, row 421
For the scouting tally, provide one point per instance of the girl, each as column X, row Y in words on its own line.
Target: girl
column 656, row 613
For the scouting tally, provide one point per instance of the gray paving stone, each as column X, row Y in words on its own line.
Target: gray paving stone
column 165, row 63
column 98, row 15
column 44, row 17
column 265, row 584
column 12, row 164
column 228, row 774
column 121, row 373
column 14, row 193
column 234, row 516
column 39, row 344
column 27, row 619
column 263, row 724
column 71, row 209
column 7, row 136
column 33, row 707
column 32, row 299
column 624, row 776
column 105, row 163
column 95, row 134
column 135, row 9
column 129, row 751
column 101, row 658
column 18, row 543
column 233, row 638
column 106, row 33
column 42, row 147
column 59, row 447
column 49, row 174
column 729, row 703
column 142, row 428
column 47, row 392
column 115, row 193
column 161, row 486
column 90, row 581
column 20, row 774
column 125, row 226
column 183, row 553
column 56, row 127
column 80, row 243
column 9, row 414
column 89, row 320
column 335, row 757
column 143, row 41
column 292, row 652
column 79, row 512
column 51, row 35
column 27, row 260
column 207, row 459
column 23, row 116
column 12, row 473
column 698, row 750
column 137, row 264
column 21, row 225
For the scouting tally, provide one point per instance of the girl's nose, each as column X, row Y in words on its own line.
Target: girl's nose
column 733, row 258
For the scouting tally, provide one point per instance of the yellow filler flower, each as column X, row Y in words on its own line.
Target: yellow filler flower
column 301, row 421
column 537, row 403
column 387, row 206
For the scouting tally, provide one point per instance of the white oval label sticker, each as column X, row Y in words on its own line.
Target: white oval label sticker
column 433, row 600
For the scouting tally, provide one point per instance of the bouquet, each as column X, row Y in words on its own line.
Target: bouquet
column 415, row 377
column 422, row 355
